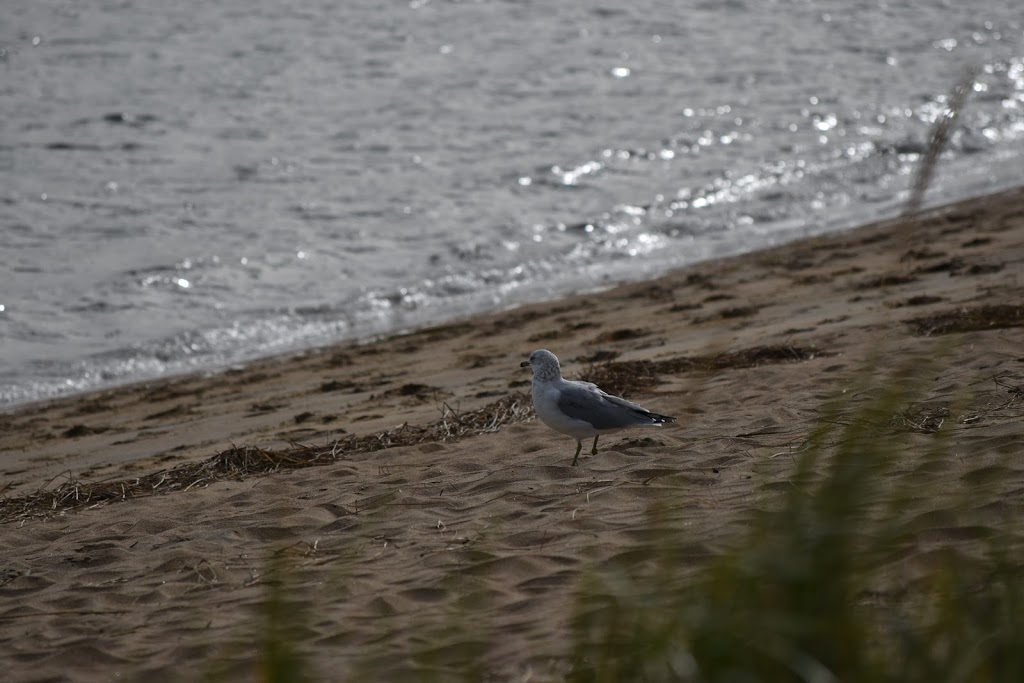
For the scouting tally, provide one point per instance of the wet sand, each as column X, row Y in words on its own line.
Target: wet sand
column 391, row 551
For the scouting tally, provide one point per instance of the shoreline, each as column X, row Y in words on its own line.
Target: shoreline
column 660, row 268
column 92, row 406
column 401, row 525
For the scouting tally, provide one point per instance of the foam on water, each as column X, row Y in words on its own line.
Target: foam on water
column 186, row 188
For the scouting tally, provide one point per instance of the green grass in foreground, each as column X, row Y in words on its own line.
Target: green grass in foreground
column 815, row 591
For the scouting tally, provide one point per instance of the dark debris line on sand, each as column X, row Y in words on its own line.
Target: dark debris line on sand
column 969, row 320
column 240, row 461
column 626, row 376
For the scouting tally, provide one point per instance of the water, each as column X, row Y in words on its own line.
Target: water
column 185, row 187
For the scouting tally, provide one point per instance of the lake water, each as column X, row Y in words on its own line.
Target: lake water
column 185, row 186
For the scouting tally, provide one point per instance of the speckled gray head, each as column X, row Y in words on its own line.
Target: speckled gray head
column 544, row 364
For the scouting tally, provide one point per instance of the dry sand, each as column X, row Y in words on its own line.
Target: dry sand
column 419, row 554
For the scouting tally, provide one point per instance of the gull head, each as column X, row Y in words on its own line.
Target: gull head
column 544, row 365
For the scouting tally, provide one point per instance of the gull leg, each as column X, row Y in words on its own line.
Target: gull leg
column 579, row 447
column 593, row 451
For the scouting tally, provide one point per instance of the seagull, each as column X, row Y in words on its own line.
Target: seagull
column 580, row 409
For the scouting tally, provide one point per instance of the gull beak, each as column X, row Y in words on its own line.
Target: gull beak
column 525, row 364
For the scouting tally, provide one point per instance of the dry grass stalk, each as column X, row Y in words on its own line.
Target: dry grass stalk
column 939, row 136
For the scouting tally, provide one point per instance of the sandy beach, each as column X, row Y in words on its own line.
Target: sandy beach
column 412, row 491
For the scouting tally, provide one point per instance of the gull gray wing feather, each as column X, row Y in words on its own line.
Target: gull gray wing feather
column 653, row 418
column 584, row 401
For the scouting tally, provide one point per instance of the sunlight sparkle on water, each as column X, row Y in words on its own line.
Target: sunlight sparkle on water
column 571, row 177
column 631, row 210
column 826, row 122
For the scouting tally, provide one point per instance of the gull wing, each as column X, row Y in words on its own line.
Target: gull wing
column 585, row 402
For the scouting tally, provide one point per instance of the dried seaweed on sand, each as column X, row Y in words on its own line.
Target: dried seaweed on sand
column 240, row 461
